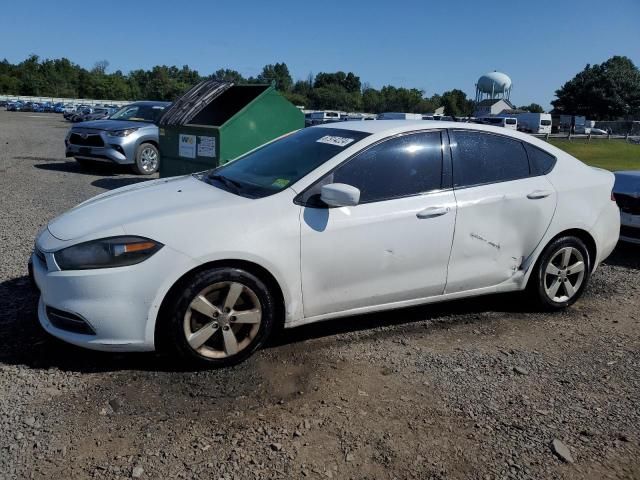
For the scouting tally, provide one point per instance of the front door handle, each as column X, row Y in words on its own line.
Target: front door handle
column 537, row 194
column 432, row 212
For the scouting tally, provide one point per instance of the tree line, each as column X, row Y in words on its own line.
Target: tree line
column 605, row 91
column 336, row 91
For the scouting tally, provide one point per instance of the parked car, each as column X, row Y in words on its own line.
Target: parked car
column 37, row 107
column 627, row 194
column 14, row 106
column 74, row 113
column 59, row 108
column 97, row 114
column 128, row 137
column 329, row 221
column 79, row 115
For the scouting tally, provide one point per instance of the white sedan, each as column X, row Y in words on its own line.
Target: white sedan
column 326, row 222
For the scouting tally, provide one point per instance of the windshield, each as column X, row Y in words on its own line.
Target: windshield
column 139, row 113
column 279, row 164
column 545, row 122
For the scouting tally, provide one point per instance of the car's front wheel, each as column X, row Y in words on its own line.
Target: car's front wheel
column 147, row 159
column 561, row 273
column 220, row 318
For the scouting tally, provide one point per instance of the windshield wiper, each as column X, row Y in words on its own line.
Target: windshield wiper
column 236, row 186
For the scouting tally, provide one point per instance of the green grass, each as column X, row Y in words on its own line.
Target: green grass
column 608, row 154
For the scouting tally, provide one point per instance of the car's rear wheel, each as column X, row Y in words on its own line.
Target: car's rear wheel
column 561, row 273
column 147, row 159
column 220, row 318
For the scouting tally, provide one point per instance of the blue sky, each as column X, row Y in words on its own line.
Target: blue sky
column 431, row 45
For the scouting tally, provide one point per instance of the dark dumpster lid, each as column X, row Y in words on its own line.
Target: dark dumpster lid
column 185, row 108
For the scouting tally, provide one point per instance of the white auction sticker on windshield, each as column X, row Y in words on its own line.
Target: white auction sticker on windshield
column 338, row 141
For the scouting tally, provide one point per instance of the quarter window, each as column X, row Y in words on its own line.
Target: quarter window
column 541, row 162
column 480, row 158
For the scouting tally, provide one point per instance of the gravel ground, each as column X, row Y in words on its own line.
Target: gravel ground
column 472, row 389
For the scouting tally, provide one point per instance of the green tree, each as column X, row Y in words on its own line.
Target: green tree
column 606, row 91
column 348, row 81
column 335, row 97
column 533, row 108
column 278, row 72
column 456, row 103
column 227, row 75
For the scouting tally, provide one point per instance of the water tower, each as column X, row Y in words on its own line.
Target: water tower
column 493, row 85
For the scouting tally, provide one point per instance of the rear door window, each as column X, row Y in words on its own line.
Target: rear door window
column 480, row 158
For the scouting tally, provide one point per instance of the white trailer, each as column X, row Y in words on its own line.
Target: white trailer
column 534, row 122
column 399, row 116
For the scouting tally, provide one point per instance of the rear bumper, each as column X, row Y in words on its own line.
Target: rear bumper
column 606, row 232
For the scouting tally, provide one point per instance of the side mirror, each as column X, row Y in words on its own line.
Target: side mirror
column 340, row 195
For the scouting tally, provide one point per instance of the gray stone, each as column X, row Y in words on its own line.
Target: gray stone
column 562, row 451
column 137, row 472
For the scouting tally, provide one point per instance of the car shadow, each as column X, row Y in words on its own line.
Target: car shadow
column 110, row 183
column 96, row 168
column 625, row 255
column 24, row 342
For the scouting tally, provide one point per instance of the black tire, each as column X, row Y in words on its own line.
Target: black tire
column 140, row 166
column 541, row 283
column 171, row 335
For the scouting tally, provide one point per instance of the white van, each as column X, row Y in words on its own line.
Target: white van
column 506, row 122
column 534, row 122
column 324, row 116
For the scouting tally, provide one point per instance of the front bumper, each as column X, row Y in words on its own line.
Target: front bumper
column 119, row 150
column 119, row 304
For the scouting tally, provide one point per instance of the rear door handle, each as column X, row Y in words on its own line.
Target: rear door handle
column 537, row 194
column 432, row 212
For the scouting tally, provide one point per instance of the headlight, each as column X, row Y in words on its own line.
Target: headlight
column 121, row 133
column 106, row 253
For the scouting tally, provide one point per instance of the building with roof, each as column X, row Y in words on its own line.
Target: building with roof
column 488, row 107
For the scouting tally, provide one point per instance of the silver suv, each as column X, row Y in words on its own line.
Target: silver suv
column 128, row 137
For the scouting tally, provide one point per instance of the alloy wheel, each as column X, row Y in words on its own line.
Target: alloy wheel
column 149, row 160
column 222, row 320
column 564, row 274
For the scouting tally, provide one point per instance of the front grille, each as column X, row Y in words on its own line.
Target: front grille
column 86, row 140
column 630, row 232
column 628, row 204
column 68, row 321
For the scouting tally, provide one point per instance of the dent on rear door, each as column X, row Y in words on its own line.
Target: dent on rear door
column 497, row 229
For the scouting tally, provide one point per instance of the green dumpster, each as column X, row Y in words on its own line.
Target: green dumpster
column 215, row 122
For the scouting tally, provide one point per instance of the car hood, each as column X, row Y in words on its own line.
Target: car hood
column 151, row 199
column 627, row 183
column 107, row 124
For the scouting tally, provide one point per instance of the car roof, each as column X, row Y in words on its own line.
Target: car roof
column 398, row 126
column 149, row 102
column 384, row 128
